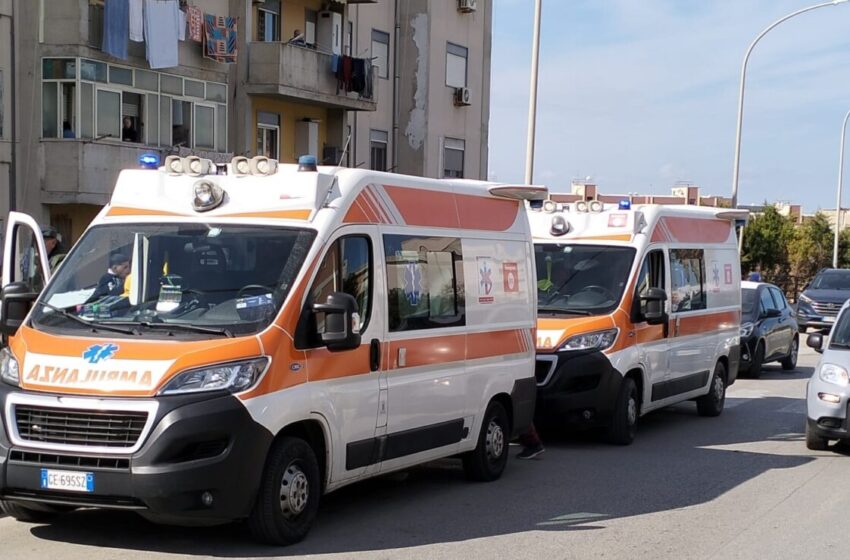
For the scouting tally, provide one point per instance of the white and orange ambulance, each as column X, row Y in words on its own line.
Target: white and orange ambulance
column 232, row 341
column 638, row 308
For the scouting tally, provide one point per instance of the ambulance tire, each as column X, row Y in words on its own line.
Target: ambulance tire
column 712, row 403
column 487, row 461
column 624, row 420
column 288, row 499
column 35, row 513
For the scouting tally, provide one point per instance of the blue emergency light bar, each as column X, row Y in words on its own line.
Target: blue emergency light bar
column 149, row 161
column 625, row 205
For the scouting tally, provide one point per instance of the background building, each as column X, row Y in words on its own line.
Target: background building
column 419, row 104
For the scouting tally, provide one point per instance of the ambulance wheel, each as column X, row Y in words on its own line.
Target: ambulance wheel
column 624, row 421
column 288, row 498
column 712, row 403
column 814, row 442
column 33, row 513
column 487, row 461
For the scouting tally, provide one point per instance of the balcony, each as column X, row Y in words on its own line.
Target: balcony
column 300, row 74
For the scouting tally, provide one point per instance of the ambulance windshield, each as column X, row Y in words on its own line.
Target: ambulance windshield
column 173, row 280
column 581, row 279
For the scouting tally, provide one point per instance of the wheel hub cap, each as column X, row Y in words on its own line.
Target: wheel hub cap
column 495, row 443
column 718, row 388
column 294, row 491
column 632, row 411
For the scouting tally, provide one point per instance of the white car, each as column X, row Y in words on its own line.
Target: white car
column 828, row 391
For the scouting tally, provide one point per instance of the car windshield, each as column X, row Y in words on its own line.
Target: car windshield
column 581, row 279
column 749, row 301
column 173, row 280
column 834, row 280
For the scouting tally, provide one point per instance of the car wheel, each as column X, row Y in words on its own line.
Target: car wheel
column 790, row 361
column 33, row 513
column 624, row 422
column 712, row 403
column 758, row 361
column 815, row 442
column 487, row 461
column 288, row 499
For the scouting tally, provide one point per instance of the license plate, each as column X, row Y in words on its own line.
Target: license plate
column 67, row 480
column 829, row 319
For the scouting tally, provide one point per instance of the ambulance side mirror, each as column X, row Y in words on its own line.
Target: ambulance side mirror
column 342, row 322
column 655, row 301
column 15, row 302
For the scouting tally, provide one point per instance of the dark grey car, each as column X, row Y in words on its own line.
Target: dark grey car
column 822, row 299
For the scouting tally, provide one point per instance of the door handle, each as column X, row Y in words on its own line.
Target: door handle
column 375, row 355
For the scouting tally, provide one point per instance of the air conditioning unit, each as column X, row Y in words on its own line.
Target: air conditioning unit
column 466, row 6
column 462, row 97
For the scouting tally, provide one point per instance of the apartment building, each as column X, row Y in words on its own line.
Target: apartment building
column 397, row 85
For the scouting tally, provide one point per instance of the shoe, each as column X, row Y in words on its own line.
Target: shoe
column 531, row 452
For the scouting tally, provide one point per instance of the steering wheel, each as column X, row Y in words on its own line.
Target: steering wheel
column 599, row 290
column 247, row 287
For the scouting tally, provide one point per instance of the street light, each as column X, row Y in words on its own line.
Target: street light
column 838, row 191
column 532, row 100
column 741, row 91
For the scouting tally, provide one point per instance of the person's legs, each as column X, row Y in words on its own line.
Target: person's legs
column 532, row 446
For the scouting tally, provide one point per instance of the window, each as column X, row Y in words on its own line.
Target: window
column 108, row 113
column 216, row 92
column 147, row 80
column 381, row 52
column 2, row 107
column 766, row 301
column 424, row 282
column 194, row 88
column 268, row 22
column 778, row 299
column 120, row 75
column 310, row 19
column 456, row 57
column 181, row 123
column 651, row 276
column 132, row 105
column 59, row 101
column 268, row 134
column 204, row 127
column 687, row 267
column 378, row 150
column 347, row 268
column 453, row 158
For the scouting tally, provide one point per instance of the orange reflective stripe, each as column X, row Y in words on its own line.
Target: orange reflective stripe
column 127, row 211
column 301, row 214
column 705, row 323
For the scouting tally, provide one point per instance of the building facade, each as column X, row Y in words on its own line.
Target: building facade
column 398, row 85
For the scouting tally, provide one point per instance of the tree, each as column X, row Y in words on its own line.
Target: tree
column 811, row 248
column 766, row 241
column 844, row 249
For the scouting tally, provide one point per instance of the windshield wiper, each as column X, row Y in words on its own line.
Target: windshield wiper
column 546, row 309
column 179, row 326
column 93, row 325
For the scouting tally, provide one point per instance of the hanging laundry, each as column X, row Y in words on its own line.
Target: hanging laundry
column 181, row 26
column 220, row 38
column 196, row 26
column 137, row 21
column 367, row 88
column 161, row 22
column 116, row 28
column 358, row 75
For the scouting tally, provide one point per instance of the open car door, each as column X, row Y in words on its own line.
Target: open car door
column 25, row 268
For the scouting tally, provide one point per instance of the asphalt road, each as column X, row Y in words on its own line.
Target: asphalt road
column 739, row 486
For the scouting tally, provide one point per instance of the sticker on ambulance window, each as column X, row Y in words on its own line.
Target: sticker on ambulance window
column 510, row 277
column 485, row 280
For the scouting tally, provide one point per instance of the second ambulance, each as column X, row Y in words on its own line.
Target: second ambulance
column 638, row 308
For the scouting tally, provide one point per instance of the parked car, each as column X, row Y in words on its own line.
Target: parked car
column 822, row 298
column 828, row 390
column 768, row 329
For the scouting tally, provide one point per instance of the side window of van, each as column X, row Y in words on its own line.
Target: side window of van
column 651, row 276
column 424, row 282
column 347, row 268
column 687, row 268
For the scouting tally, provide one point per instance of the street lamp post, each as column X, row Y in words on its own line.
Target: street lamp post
column 838, row 191
column 741, row 89
column 532, row 101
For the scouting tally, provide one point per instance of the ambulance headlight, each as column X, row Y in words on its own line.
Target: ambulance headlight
column 9, row 371
column 550, row 206
column 240, row 166
column 581, row 206
column 596, row 206
column 560, row 226
column 599, row 340
column 234, row 377
column 174, row 165
column 208, row 195
column 261, row 165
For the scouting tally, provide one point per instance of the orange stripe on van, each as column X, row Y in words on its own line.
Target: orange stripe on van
column 420, row 207
column 428, row 351
column 689, row 230
column 301, row 214
column 618, row 237
column 127, row 211
column 705, row 323
column 489, row 214
column 488, row 345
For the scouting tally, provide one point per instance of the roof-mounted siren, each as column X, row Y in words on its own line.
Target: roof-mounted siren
column 261, row 165
column 582, row 206
column 550, row 206
column 240, row 166
column 195, row 166
column 596, row 206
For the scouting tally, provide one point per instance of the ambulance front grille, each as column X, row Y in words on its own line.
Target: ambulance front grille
column 79, row 427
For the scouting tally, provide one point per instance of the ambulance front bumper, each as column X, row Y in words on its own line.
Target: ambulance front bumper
column 200, row 462
column 576, row 388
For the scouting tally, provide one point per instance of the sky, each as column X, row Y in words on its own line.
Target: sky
column 642, row 94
